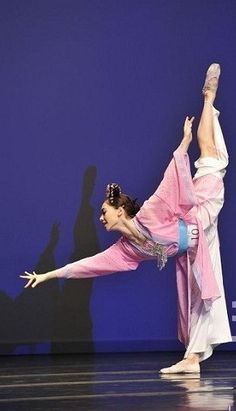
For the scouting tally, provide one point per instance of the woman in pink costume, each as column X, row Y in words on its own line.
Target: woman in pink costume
column 179, row 219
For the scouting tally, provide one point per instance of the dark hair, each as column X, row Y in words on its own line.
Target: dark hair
column 117, row 199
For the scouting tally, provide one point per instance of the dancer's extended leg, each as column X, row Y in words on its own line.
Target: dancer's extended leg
column 205, row 135
column 205, row 132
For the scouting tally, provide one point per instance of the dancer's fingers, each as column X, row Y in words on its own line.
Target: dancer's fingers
column 32, row 277
column 29, row 274
column 29, row 283
column 189, row 119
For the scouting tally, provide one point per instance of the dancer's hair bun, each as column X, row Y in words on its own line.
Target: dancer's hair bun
column 113, row 192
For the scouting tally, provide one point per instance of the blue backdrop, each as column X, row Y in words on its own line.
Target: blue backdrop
column 95, row 92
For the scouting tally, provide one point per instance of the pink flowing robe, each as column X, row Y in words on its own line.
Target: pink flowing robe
column 179, row 196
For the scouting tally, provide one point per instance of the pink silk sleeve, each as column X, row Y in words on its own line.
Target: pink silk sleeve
column 115, row 259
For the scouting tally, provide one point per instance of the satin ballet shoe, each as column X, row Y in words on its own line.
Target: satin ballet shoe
column 212, row 78
column 182, row 368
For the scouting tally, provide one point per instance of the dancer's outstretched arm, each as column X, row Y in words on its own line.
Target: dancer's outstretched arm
column 114, row 259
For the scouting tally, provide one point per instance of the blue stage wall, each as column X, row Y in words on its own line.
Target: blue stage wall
column 95, row 92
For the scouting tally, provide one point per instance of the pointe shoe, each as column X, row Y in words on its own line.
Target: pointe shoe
column 181, row 367
column 212, row 78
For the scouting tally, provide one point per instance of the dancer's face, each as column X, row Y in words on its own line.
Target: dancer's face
column 110, row 216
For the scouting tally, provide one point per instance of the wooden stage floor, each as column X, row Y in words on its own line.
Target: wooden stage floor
column 115, row 382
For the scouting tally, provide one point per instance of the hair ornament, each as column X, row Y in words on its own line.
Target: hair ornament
column 113, row 191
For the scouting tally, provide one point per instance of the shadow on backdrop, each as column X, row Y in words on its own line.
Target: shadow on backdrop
column 27, row 321
column 7, row 324
column 34, row 309
column 51, row 318
column 73, row 325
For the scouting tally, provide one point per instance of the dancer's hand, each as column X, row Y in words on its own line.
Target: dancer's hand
column 33, row 279
column 188, row 127
column 187, row 137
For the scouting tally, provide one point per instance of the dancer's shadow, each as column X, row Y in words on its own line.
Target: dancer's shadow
column 34, row 309
column 73, row 325
column 46, row 313
column 7, row 324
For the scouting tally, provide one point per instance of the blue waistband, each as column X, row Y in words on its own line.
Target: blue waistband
column 183, row 237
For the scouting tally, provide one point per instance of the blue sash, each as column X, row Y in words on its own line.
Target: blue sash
column 183, row 237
